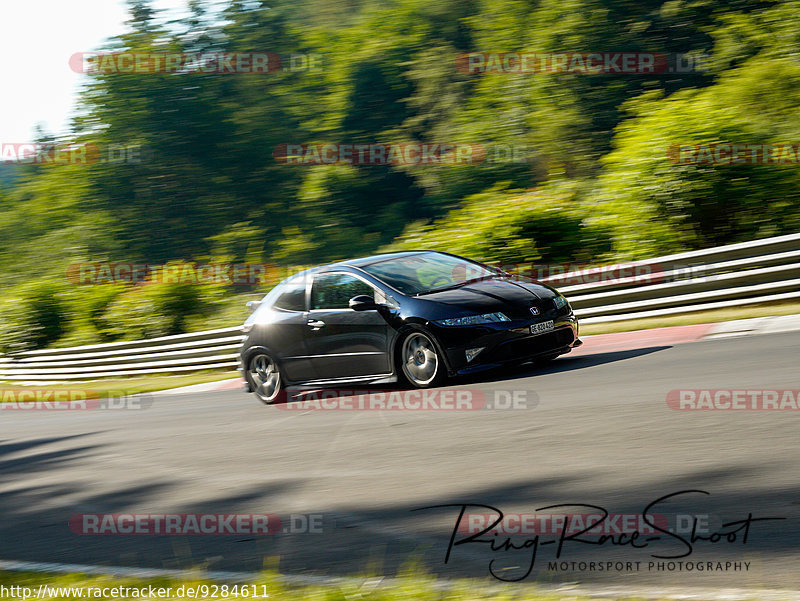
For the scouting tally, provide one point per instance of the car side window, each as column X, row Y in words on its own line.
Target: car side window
column 334, row 290
column 293, row 298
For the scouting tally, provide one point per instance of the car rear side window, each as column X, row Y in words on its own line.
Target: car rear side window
column 334, row 290
column 293, row 298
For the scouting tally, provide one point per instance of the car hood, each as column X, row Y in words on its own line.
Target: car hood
column 514, row 298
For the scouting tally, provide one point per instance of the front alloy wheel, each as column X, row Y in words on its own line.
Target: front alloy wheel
column 420, row 360
column 265, row 378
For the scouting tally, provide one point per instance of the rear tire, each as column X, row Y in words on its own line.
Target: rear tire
column 264, row 377
column 419, row 361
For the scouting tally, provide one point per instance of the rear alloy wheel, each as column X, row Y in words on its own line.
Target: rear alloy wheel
column 420, row 361
column 264, row 377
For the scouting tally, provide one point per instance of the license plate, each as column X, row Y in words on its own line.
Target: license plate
column 540, row 328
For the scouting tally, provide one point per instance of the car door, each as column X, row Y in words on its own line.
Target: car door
column 344, row 343
column 286, row 332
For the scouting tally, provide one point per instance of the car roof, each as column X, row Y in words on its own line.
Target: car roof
column 357, row 263
column 364, row 261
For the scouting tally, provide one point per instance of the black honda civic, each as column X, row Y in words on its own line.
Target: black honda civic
column 416, row 317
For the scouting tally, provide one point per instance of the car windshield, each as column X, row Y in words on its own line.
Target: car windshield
column 427, row 272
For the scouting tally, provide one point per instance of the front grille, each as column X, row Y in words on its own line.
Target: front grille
column 533, row 345
column 545, row 306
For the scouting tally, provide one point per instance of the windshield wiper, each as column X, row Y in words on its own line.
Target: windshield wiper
column 459, row 285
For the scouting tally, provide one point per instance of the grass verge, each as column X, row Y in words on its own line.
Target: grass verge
column 698, row 317
column 410, row 587
column 128, row 386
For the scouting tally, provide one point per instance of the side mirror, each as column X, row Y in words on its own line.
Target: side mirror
column 253, row 305
column 362, row 302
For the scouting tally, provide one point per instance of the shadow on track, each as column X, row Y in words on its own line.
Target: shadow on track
column 565, row 363
column 388, row 536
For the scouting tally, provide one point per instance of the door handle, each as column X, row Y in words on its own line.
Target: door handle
column 316, row 324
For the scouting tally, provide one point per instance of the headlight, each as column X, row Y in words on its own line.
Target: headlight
column 473, row 320
column 560, row 301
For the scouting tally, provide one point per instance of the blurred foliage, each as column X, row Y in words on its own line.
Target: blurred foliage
column 413, row 583
column 593, row 183
column 509, row 226
column 34, row 317
column 656, row 207
column 151, row 310
column 160, row 306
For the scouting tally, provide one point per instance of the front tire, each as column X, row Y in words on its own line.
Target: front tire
column 264, row 377
column 419, row 360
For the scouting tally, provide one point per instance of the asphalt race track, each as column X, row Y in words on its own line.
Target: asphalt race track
column 601, row 433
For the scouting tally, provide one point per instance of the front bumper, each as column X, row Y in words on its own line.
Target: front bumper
column 505, row 342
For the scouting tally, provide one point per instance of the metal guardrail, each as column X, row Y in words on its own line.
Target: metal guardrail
column 754, row 272
column 765, row 270
column 214, row 349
